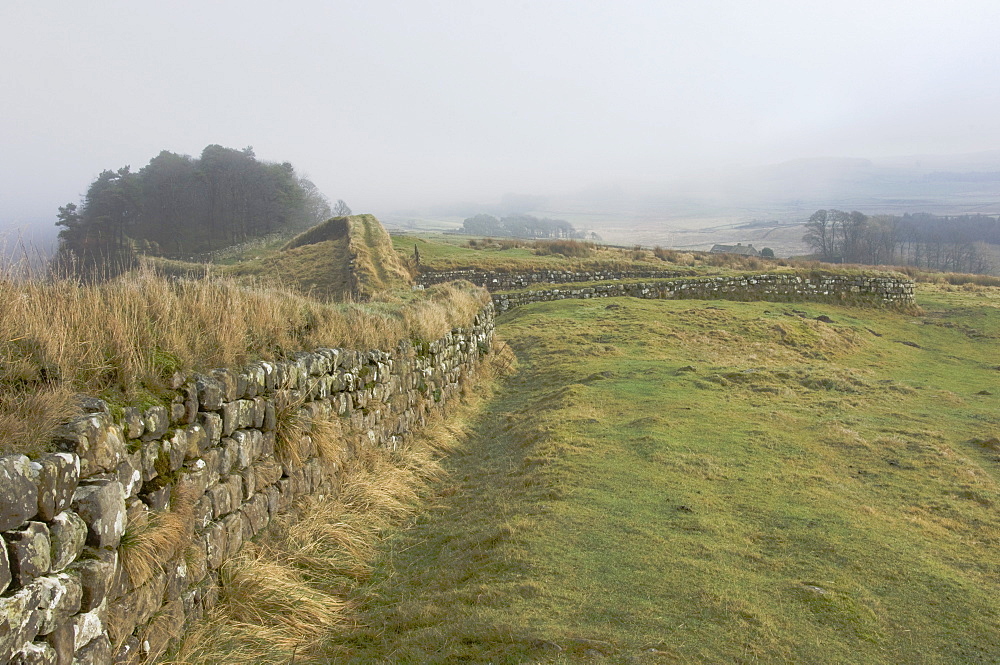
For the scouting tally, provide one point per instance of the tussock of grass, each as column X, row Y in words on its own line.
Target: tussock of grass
column 570, row 248
column 158, row 538
column 31, row 413
column 124, row 338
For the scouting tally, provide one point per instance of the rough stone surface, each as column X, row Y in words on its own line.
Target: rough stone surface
column 18, row 494
column 5, row 576
column 130, row 473
column 61, row 641
column 95, row 652
column 28, row 552
column 101, row 504
column 133, row 423
column 97, row 441
column 212, row 424
column 172, row 452
column 210, row 393
column 19, row 619
column 129, row 652
column 61, row 596
column 35, row 653
column 156, row 420
column 57, row 476
column 141, row 603
column 96, row 578
column 67, row 536
column 198, row 442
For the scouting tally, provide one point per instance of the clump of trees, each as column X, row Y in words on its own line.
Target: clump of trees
column 519, row 226
column 950, row 243
column 178, row 205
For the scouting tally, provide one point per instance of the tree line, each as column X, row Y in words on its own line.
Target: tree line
column 951, row 243
column 178, row 205
column 519, row 226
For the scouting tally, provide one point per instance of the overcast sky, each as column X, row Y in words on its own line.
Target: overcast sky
column 399, row 104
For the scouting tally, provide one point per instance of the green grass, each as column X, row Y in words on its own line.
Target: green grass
column 451, row 252
column 709, row 482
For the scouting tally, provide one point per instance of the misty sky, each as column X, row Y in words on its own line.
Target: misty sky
column 399, row 104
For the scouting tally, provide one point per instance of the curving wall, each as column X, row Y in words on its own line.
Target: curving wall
column 504, row 281
column 208, row 459
column 207, row 462
column 871, row 290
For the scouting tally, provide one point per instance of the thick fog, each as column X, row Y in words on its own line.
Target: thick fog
column 393, row 105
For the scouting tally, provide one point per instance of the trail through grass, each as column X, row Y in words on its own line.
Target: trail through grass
column 708, row 482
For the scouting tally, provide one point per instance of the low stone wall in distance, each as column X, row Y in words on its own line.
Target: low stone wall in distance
column 208, row 462
column 882, row 290
column 505, row 281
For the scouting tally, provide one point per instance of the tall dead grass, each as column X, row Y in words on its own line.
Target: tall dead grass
column 123, row 338
column 285, row 596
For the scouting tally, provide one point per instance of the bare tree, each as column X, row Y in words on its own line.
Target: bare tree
column 340, row 209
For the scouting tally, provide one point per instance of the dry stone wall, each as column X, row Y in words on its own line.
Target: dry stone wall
column 208, row 459
column 506, row 281
column 883, row 290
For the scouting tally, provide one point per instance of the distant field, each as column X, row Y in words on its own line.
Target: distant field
column 714, row 482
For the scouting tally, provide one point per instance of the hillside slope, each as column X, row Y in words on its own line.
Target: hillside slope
column 684, row 481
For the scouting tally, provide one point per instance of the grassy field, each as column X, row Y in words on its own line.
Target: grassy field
column 714, row 482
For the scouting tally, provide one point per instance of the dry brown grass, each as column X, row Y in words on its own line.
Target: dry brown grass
column 122, row 339
column 299, row 432
column 30, row 415
column 377, row 266
column 158, row 538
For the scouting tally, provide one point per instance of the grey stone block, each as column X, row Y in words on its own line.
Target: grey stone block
column 5, row 576
column 198, row 442
column 129, row 652
column 57, row 475
column 28, row 552
column 157, row 421
column 210, row 393
column 34, row 653
column 19, row 619
column 212, row 423
column 67, row 536
column 101, row 504
column 130, row 473
column 96, row 578
column 228, row 383
column 95, row 652
column 172, row 452
column 61, row 641
column 18, row 492
column 133, row 423
column 61, row 596
column 98, row 442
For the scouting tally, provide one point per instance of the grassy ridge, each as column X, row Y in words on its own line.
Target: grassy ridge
column 681, row 481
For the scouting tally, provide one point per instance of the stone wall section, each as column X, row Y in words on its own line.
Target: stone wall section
column 506, row 281
column 208, row 457
column 881, row 291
